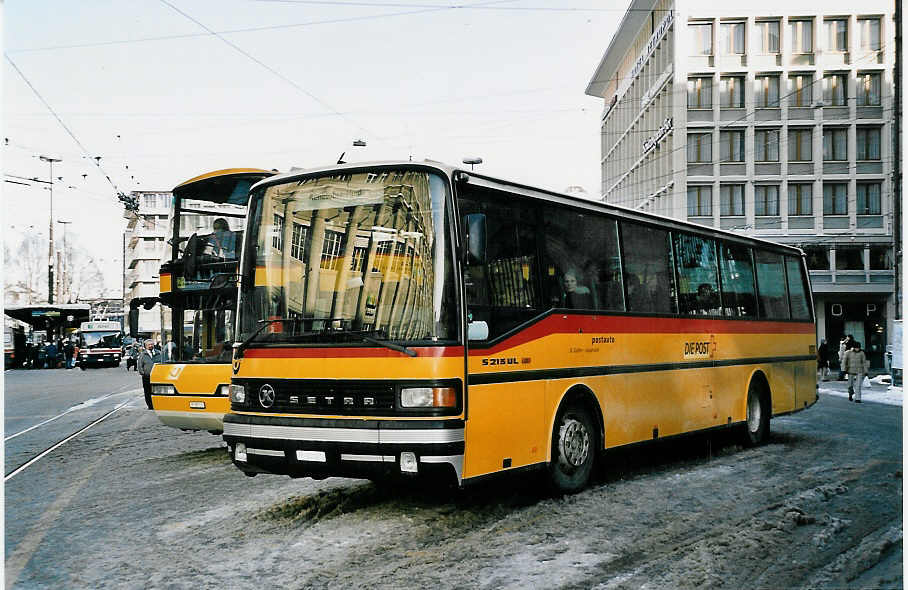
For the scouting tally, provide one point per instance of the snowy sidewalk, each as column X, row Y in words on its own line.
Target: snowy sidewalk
column 878, row 392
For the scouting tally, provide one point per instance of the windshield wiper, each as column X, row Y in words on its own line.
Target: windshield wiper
column 392, row 345
column 238, row 349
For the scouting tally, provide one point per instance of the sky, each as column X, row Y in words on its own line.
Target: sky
column 164, row 90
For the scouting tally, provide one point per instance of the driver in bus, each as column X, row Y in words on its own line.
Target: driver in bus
column 222, row 241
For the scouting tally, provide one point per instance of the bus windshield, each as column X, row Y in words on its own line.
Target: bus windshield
column 350, row 257
column 101, row 340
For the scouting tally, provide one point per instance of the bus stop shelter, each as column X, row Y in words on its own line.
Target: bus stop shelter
column 56, row 319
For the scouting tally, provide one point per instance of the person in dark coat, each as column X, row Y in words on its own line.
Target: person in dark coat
column 823, row 360
column 147, row 359
column 68, row 350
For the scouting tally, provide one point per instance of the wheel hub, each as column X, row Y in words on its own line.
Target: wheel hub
column 573, row 443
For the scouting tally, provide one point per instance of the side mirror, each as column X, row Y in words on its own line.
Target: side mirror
column 134, row 322
column 475, row 226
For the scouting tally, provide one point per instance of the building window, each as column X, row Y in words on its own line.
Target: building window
column 801, row 34
column 359, row 255
column 699, row 147
column 817, row 258
column 766, row 145
column 766, row 91
column 731, row 89
column 835, row 198
column 731, row 146
column 870, row 34
column 701, row 38
column 298, row 241
column 801, row 92
column 868, row 143
column 331, row 249
column 800, row 199
column 800, row 145
column 699, row 93
column 880, row 258
column 868, row 89
column 849, row 258
column 731, row 200
column 766, row 200
column 835, row 144
column 699, row 201
column 868, row 202
column 767, row 33
column 731, row 38
column 277, row 233
column 834, row 90
column 836, row 34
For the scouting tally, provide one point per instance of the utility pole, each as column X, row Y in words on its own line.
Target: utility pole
column 50, row 247
column 64, row 271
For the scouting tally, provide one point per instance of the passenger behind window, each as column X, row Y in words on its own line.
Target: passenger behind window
column 575, row 295
column 707, row 300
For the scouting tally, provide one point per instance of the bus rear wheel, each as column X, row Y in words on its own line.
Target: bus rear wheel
column 756, row 427
column 573, row 450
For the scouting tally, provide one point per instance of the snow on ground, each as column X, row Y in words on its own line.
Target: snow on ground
column 879, row 390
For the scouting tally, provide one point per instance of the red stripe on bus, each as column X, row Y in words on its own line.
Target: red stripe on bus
column 617, row 325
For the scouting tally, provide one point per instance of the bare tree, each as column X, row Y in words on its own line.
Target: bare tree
column 25, row 268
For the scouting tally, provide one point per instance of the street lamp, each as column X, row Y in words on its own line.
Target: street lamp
column 472, row 161
column 50, row 248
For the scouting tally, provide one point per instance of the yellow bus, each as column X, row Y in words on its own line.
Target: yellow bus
column 506, row 328
column 198, row 289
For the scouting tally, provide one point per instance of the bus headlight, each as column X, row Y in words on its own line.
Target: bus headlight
column 223, row 390
column 428, row 397
column 163, row 389
column 237, row 393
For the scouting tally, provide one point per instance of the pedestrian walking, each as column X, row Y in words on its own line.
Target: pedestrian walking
column 823, row 360
column 68, row 350
column 50, row 356
column 147, row 359
column 844, row 346
column 856, row 366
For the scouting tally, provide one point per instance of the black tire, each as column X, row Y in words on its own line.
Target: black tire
column 82, row 367
column 574, row 444
column 756, row 425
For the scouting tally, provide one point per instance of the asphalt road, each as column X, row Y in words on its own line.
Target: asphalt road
column 131, row 503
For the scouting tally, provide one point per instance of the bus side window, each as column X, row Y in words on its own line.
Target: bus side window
column 771, row 286
column 736, row 269
column 648, row 273
column 504, row 291
column 581, row 261
column 698, row 275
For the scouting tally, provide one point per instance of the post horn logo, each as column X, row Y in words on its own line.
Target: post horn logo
column 236, row 366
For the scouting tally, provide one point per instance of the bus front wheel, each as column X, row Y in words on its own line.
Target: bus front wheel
column 756, row 427
column 573, row 450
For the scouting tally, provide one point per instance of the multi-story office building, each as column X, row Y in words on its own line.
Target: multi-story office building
column 145, row 247
column 772, row 119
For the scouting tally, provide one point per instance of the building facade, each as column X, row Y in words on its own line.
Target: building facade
column 145, row 250
column 772, row 119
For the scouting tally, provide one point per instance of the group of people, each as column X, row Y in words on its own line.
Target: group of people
column 51, row 355
column 853, row 364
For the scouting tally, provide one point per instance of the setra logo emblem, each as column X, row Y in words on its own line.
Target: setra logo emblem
column 266, row 396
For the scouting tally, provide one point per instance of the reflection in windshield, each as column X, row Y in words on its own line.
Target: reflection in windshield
column 340, row 255
column 100, row 340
